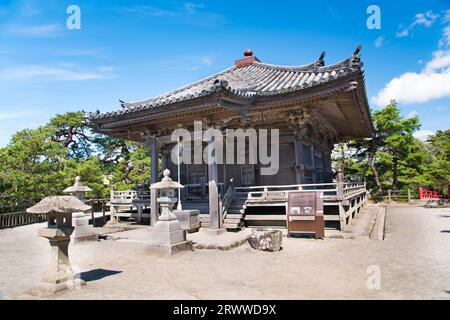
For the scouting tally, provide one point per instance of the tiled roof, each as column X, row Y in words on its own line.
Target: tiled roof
column 251, row 81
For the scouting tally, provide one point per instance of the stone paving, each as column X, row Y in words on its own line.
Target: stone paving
column 414, row 260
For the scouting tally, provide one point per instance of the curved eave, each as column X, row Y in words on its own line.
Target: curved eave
column 213, row 100
column 223, row 89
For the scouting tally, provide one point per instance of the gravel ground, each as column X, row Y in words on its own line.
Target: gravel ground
column 414, row 261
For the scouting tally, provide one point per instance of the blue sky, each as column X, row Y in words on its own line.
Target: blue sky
column 133, row 50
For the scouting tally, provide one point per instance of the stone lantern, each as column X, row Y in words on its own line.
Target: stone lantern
column 59, row 275
column 78, row 190
column 167, row 236
column 83, row 230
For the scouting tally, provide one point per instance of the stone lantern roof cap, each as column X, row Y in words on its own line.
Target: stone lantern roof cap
column 77, row 187
column 166, row 182
column 59, row 204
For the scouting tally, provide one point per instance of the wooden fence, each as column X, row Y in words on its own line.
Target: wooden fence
column 15, row 219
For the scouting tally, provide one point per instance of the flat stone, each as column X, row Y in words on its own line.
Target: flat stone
column 266, row 240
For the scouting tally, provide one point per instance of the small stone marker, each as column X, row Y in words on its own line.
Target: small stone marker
column 167, row 237
column 266, row 240
column 59, row 275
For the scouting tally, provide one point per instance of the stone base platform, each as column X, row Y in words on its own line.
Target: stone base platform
column 169, row 249
column 44, row 289
column 223, row 241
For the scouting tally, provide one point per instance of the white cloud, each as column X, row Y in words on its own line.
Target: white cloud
column 148, row 10
column 425, row 19
column 441, row 59
column 402, row 33
column 422, row 135
column 30, row 11
column 446, row 17
column 414, row 87
column 379, row 41
column 412, row 114
column 47, row 30
column 191, row 8
column 433, row 82
column 445, row 41
column 55, row 73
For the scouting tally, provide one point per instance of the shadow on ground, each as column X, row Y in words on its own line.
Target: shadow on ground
column 97, row 274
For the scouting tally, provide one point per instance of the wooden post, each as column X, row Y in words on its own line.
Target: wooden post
column 104, row 212
column 389, row 195
column 342, row 219
column 313, row 162
column 139, row 213
column 153, row 145
column 340, row 183
column 409, row 196
column 299, row 175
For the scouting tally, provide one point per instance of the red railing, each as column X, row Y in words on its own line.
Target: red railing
column 428, row 194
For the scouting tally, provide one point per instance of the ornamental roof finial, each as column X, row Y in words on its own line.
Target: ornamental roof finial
column 248, row 53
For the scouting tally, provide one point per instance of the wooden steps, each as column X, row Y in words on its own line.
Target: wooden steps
column 265, row 217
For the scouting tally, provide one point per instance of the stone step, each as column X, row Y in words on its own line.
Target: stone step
column 234, row 216
column 230, row 220
column 204, row 224
column 265, row 217
column 232, row 225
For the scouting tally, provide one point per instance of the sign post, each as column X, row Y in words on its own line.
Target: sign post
column 305, row 213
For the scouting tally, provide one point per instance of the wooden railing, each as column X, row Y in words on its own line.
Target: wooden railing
column 350, row 198
column 15, row 219
column 129, row 197
column 280, row 192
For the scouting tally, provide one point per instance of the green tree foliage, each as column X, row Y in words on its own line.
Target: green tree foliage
column 44, row 161
column 394, row 159
column 31, row 167
column 71, row 131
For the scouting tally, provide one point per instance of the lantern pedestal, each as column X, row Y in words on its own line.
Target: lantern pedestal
column 83, row 230
column 60, row 275
column 167, row 237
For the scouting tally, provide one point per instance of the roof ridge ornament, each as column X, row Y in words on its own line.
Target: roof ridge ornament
column 123, row 104
column 247, row 60
column 355, row 60
column 320, row 62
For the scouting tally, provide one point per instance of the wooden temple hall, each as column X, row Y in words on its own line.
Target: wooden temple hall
column 313, row 106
